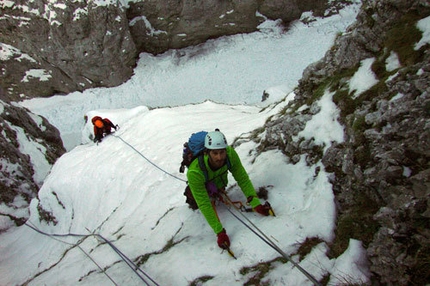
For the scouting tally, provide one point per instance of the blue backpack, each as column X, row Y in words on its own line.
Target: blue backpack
column 193, row 148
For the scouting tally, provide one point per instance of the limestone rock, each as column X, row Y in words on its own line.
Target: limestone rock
column 65, row 46
column 61, row 47
column 22, row 135
column 381, row 170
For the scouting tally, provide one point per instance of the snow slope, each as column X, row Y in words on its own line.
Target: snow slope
column 128, row 189
column 115, row 190
column 234, row 70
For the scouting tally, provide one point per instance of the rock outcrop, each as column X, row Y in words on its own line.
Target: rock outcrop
column 29, row 147
column 65, row 46
column 157, row 26
column 381, row 171
column 60, row 47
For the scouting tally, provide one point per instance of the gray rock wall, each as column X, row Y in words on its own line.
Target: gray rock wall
column 74, row 45
column 21, row 131
column 381, row 172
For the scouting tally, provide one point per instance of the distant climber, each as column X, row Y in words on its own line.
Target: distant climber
column 207, row 177
column 102, row 127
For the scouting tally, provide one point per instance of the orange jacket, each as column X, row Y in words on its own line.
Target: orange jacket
column 101, row 126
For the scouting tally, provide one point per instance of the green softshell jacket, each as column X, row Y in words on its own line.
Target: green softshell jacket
column 197, row 183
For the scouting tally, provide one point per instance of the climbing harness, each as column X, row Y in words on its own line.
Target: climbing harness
column 223, row 197
column 127, row 260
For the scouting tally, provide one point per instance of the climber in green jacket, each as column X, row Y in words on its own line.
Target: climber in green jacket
column 219, row 158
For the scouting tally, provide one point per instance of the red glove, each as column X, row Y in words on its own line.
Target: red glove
column 263, row 209
column 223, row 240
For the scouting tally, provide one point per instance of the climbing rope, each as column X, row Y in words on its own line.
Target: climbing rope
column 54, row 236
column 127, row 260
column 263, row 236
column 149, row 161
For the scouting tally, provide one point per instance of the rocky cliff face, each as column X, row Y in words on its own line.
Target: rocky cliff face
column 62, row 46
column 157, row 26
column 381, row 172
column 29, row 147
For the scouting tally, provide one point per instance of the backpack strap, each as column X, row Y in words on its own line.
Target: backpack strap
column 205, row 170
column 203, row 167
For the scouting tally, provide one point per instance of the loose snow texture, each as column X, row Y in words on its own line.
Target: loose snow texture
column 139, row 207
column 235, row 70
column 363, row 79
column 424, row 26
